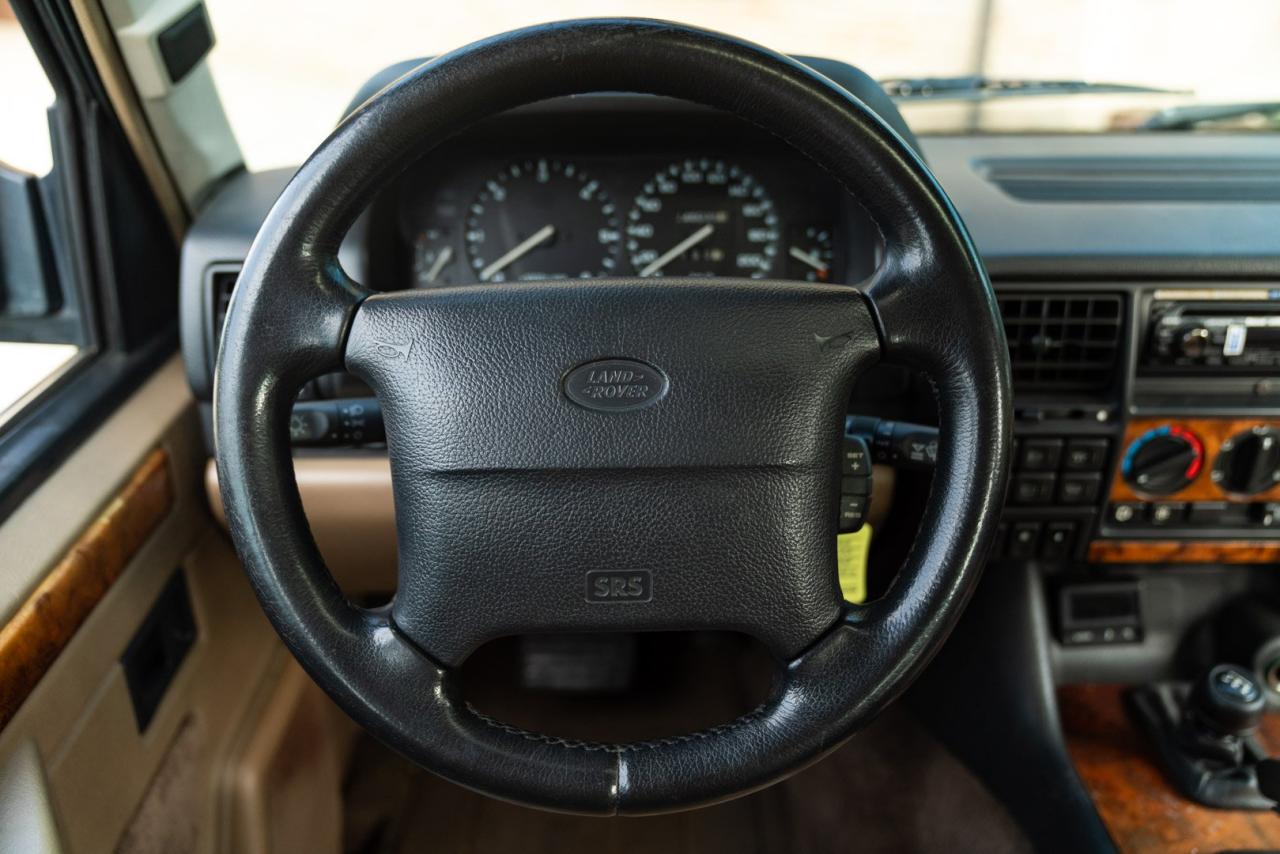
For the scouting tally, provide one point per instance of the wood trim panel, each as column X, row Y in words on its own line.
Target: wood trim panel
column 1184, row 551
column 45, row 623
column 1140, row 808
column 1212, row 432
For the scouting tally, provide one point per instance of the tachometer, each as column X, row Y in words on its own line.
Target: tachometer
column 542, row 219
column 702, row 218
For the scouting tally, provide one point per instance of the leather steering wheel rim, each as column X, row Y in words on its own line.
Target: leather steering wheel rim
column 296, row 314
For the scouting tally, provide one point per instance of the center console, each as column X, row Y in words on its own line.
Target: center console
column 1198, row 476
column 1147, row 423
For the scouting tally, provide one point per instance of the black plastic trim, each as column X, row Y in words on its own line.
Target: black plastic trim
column 114, row 251
column 853, row 80
column 158, row 648
column 185, row 42
column 29, row 288
column 989, row 696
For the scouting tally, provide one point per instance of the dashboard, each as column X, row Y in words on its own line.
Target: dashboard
column 1139, row 314
column 1140, row 294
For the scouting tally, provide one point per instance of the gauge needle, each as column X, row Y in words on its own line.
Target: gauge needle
column 807, row 258
column 533, row 241
column 676, row 251
column 445, row 256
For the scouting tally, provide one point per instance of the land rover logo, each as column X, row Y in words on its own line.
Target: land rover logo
column 615, row 385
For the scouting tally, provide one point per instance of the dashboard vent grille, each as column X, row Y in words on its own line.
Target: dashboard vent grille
column 1062, row 342
column 222, row 282
column 1128, row 179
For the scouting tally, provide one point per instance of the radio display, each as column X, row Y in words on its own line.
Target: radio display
column 1232, row 329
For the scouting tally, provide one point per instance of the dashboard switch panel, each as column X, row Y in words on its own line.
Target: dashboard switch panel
column 1086, row 455
column 1079, row 488
column 1024, row 537
column 1034, row 488
column 1059, row 541
column 1039, row 454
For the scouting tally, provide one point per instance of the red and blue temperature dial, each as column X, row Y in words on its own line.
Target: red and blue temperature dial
column 1163, row 460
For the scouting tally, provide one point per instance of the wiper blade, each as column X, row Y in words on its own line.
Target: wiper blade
column 1187, row 117
column 978, row 87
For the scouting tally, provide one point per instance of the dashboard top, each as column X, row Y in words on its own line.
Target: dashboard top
column 1016, row 238
column 1088, row 208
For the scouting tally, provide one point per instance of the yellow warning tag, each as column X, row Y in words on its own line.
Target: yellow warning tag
column 851, row 555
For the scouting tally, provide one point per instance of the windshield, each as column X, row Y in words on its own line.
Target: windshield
column 286, row 77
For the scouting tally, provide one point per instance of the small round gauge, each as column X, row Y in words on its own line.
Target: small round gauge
column 542, row 219
column 809, row 254
column 434, row 261
column 702, row 218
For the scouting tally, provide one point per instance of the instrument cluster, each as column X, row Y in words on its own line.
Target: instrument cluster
column 489, row 218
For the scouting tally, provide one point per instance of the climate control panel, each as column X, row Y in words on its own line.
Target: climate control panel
column 1196, row 480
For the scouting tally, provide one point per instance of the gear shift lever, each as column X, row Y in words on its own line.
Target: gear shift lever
column 1224, row 707
column 1204, row 735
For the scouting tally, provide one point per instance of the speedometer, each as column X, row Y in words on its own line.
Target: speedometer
column 542, row 219
column 702, row 218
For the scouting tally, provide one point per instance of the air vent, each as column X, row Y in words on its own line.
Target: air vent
column 1062, row 342
column 222, row 281
column 1130, row 179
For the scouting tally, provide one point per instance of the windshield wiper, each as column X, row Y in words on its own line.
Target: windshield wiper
column 978, row 87
column 1187, row 117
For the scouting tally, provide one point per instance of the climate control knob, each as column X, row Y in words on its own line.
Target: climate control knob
column 1163, row 460
column 1249, row 462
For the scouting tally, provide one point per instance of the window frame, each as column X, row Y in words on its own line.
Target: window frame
column 129, row 326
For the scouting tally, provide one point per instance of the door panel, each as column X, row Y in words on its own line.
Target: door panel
column 110, row 786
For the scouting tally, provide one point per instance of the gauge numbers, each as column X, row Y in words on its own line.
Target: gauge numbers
column 702, row 217
column 542, row 219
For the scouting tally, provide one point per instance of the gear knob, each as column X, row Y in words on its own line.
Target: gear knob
column 1227, row 700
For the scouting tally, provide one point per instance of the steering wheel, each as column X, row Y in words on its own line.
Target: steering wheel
column 613, row 455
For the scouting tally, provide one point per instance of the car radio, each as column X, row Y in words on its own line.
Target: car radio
column 1236, row 329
